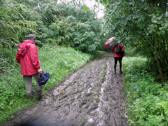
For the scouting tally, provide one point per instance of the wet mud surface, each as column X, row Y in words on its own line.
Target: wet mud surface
column 92, row 96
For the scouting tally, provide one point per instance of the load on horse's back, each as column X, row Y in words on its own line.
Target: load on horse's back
column 109, row 43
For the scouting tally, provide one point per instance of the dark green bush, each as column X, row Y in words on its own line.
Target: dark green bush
column 66, row 25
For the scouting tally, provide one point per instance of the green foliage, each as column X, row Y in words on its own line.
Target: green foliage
column 62, row 24
column 147, row 100
column 16, row 21
column 6, row 60
column 70, row 26
column 58, row 61
column 143, row 25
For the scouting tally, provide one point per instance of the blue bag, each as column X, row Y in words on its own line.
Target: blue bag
column 43, row 78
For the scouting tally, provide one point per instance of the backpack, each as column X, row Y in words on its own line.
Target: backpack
column 43, row 78
column 118, row 49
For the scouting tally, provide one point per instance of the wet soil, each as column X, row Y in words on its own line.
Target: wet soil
column 92, row 96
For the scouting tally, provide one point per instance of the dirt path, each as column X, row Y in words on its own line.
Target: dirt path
column 92, row 96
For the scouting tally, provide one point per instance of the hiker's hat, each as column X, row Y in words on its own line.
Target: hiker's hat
column 30, row 36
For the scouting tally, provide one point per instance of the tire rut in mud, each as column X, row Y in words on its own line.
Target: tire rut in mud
column 92, row 96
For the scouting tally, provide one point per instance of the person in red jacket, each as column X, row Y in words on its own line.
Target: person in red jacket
column 27, row 57
column 118, row 50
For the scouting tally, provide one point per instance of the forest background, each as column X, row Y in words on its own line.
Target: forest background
column 141, row 25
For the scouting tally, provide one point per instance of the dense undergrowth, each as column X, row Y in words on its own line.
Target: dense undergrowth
column 58, row 61
column 143, row 25
column 52, row 22
column 147, row 99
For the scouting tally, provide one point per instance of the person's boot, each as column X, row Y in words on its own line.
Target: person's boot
column 29, row 96
column 39, row 95
column 114, row 70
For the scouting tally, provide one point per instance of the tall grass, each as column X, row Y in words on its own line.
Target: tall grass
column 147, row 99
column 58, row 61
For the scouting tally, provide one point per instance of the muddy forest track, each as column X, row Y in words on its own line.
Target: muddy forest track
column 92, row 96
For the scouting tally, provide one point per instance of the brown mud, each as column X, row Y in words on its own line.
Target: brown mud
column 92, row 96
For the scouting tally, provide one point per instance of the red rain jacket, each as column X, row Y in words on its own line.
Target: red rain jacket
column 27, row 57
column 115, row 55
